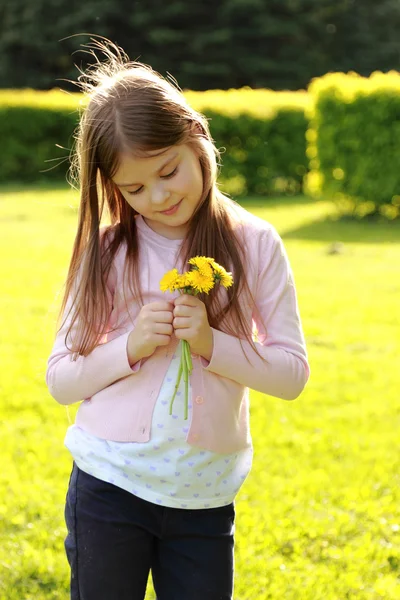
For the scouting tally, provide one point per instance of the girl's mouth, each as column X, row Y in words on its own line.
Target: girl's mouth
column 172, row 210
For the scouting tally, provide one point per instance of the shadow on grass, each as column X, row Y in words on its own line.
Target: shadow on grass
column 330, row 228
column 347, row 230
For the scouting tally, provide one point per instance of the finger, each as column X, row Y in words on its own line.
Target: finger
column 162, row 316
column 183, row 310
column 163, row 340
column 182, row 334
column 160, row 305
column 181, row 322
column 188, row 300
column 164, row 329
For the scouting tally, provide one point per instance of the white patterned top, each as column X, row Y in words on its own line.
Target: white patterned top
column 166, row 470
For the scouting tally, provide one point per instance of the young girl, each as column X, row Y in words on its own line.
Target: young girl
column 149, row 490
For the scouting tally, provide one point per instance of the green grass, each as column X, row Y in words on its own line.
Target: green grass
column 318, row 518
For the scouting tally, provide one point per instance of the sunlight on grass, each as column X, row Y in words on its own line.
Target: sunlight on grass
column 318, row 516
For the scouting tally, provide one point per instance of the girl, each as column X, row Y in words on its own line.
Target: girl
column 150, row 491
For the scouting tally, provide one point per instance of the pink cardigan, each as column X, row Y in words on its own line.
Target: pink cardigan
column 118, row 400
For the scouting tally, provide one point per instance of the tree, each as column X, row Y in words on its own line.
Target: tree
column 280, row 44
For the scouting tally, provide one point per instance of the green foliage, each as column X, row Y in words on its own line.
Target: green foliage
column 318, row 518
column 262, row 133
column 30, row 138
column 262, row 156
column 353, row 142
column 279, row 44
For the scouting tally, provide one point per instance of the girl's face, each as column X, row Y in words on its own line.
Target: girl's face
column 165, row 188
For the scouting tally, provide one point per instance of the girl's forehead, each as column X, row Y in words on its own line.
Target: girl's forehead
column 132, row 164
column 146, row 155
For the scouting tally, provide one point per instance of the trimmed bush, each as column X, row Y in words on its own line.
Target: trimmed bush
column 263, row 156
column 32, row 127
column 353, row 142
column 261, row 135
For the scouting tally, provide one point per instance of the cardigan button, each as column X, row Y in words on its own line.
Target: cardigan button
column 195, row 437
column 199, row 400
column 195, row 355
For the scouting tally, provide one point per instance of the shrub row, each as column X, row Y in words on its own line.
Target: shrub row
column 36, row 133
column 345, row 131
column 353, row 142
column 261, row 135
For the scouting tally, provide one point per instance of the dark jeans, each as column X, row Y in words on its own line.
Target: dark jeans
column 115, row 538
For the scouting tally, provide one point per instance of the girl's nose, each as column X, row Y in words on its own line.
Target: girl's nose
column 160, row 195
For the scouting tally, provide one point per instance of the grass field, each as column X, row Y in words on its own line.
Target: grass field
column 318, row 518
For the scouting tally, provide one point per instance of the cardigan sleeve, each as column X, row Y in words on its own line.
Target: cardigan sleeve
column 285, row 371
column 71, row 381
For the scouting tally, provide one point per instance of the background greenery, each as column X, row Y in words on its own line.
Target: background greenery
column 318, row 517
column 339, row 138
column 278, row 44
column 261, row 135
column 353, row 142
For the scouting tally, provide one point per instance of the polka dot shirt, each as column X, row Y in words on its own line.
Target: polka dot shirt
column 166, row 470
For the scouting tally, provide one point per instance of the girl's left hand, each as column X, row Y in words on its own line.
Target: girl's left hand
column 191, row 324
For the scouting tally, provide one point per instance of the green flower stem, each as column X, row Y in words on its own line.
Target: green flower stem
column 186, row 354
column 185, row 365
column 186, row 398
column 185, row 369
column 186, row 373
column 171, row 282
column 189, row 360
column 176, row 385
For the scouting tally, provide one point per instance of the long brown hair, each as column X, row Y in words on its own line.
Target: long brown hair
column 132, row 107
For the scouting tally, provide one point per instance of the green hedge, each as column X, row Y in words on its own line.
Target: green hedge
column 262, row 134
column 262, row 156
column 30, row 137
column 354, row 142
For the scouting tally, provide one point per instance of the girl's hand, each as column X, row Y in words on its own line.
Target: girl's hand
column 153, row 328
column 191, row 324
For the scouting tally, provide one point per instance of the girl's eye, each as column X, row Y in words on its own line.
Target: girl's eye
column 174, row 172
column 135, row 192
column 169, row 176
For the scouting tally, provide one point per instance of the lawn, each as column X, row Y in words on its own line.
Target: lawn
column 318, row 517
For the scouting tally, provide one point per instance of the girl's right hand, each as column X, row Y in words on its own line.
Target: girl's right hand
column 153, row 328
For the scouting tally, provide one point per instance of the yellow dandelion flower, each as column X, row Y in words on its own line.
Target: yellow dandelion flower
column 222, row 276
column 169, row 281
column 202, row 264
column 205, row 273
column 183, row 281
column 197, row 261
column 200, row 282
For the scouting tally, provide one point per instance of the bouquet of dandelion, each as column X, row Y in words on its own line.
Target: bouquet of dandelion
column 203, row 275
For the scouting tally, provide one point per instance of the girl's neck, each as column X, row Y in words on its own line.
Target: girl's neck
column 155, row 236
column 176, row 233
